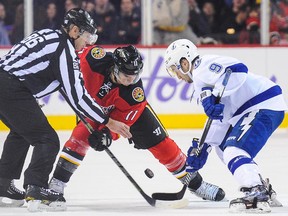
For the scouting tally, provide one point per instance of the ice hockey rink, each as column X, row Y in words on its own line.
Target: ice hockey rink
column 99, row 187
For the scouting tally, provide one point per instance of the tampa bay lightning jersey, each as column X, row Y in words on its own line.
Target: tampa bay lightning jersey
column 244, row 92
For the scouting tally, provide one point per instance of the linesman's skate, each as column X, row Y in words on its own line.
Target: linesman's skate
column 10, row 196
column 42, row 199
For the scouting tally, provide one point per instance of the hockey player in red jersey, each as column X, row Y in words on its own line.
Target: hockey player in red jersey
column 113, row 79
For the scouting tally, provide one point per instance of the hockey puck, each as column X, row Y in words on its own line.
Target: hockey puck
column 149, row 173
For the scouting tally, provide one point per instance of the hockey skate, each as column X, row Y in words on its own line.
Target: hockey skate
column 273, row 201
column 57, row 185
column 209, row 191
column 10, row 196
column 255, row 201
column 42, row 199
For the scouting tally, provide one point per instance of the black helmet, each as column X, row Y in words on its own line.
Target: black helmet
column 80, row 18
column 127, row 60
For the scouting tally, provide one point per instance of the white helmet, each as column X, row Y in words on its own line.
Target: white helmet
column 178, row 50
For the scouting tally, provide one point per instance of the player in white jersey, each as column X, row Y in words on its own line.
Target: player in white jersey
column 251, row 109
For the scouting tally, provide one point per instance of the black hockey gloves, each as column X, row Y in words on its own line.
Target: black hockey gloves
column 99, row 140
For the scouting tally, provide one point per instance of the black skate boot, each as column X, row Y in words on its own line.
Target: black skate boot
column 42, row 199
column 255, row 200
column 203, row 189
column 10, row 196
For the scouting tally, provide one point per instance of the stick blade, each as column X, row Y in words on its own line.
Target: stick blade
column 175, row 204
column 170, row 196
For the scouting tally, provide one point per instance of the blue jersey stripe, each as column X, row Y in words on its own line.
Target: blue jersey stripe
column 269, row 93
column 240, row 67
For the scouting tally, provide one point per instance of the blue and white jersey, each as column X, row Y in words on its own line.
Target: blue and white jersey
column 244, row 92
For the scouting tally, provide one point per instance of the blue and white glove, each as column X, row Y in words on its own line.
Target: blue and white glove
column 212, row 109
column 196, row 158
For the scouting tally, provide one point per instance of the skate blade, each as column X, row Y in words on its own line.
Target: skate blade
column 175, row 204
column 7, row 202
column 262, row 207
column 275, row 203
column 39, row 206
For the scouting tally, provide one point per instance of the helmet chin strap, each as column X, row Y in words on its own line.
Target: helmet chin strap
column 78, row 36
column 66, row 31
column 190, row 67
column 113, row 77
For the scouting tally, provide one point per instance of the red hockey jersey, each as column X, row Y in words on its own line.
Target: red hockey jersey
column 122, row 103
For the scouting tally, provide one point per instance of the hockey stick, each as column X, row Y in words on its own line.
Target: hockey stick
column 179, row 195
column 218, row 99
column 170, row 196
column 149, row 199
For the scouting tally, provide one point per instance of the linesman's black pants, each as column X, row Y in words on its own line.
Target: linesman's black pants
column 28, row 126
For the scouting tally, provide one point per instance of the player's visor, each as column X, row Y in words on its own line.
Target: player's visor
column 173, row 69
column 135, row 76
column 89, row 38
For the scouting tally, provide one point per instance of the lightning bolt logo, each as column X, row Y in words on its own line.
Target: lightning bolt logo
column 246, row 123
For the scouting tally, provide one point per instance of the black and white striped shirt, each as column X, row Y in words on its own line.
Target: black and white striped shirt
column 46, row 61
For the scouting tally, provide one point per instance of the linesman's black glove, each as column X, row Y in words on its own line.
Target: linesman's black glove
column 99, row 140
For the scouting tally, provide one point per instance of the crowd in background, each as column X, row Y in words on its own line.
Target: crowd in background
column 119, row 21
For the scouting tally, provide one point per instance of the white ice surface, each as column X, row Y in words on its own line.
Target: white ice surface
column 99, row 187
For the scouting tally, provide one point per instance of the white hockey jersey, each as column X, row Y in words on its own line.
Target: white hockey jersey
column 244, row 92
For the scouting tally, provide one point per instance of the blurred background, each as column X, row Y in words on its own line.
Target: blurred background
column 155, row 22
column 254, row 31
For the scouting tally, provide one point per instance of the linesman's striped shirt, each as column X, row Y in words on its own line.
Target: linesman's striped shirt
column 46, row 61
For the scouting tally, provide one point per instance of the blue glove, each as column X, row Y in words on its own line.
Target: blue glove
column 196, row 159
column 212, row 109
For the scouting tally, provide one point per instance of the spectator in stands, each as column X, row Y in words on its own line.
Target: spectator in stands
column 70, row 4
column 251, row 35
column 197, row 21
column 104, row 15
column 279, row 18
column 127, row 24
column 51, row 20
column 229, row 13
column 220, row 7
column 275, row 38
column 17, row 33
column 170, row 21
column 4, row 38
column 89, row 6
column 231, row 28
column 209, row 14
column 137, row 4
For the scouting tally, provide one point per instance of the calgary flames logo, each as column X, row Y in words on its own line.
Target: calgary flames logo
column 98, row 52
column 138, row 94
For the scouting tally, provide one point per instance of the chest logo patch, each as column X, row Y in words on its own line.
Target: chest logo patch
column 98, row 52
column 138, row 94
column 104, row 89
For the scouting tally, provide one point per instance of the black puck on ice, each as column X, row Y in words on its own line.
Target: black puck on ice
column 149, row 173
